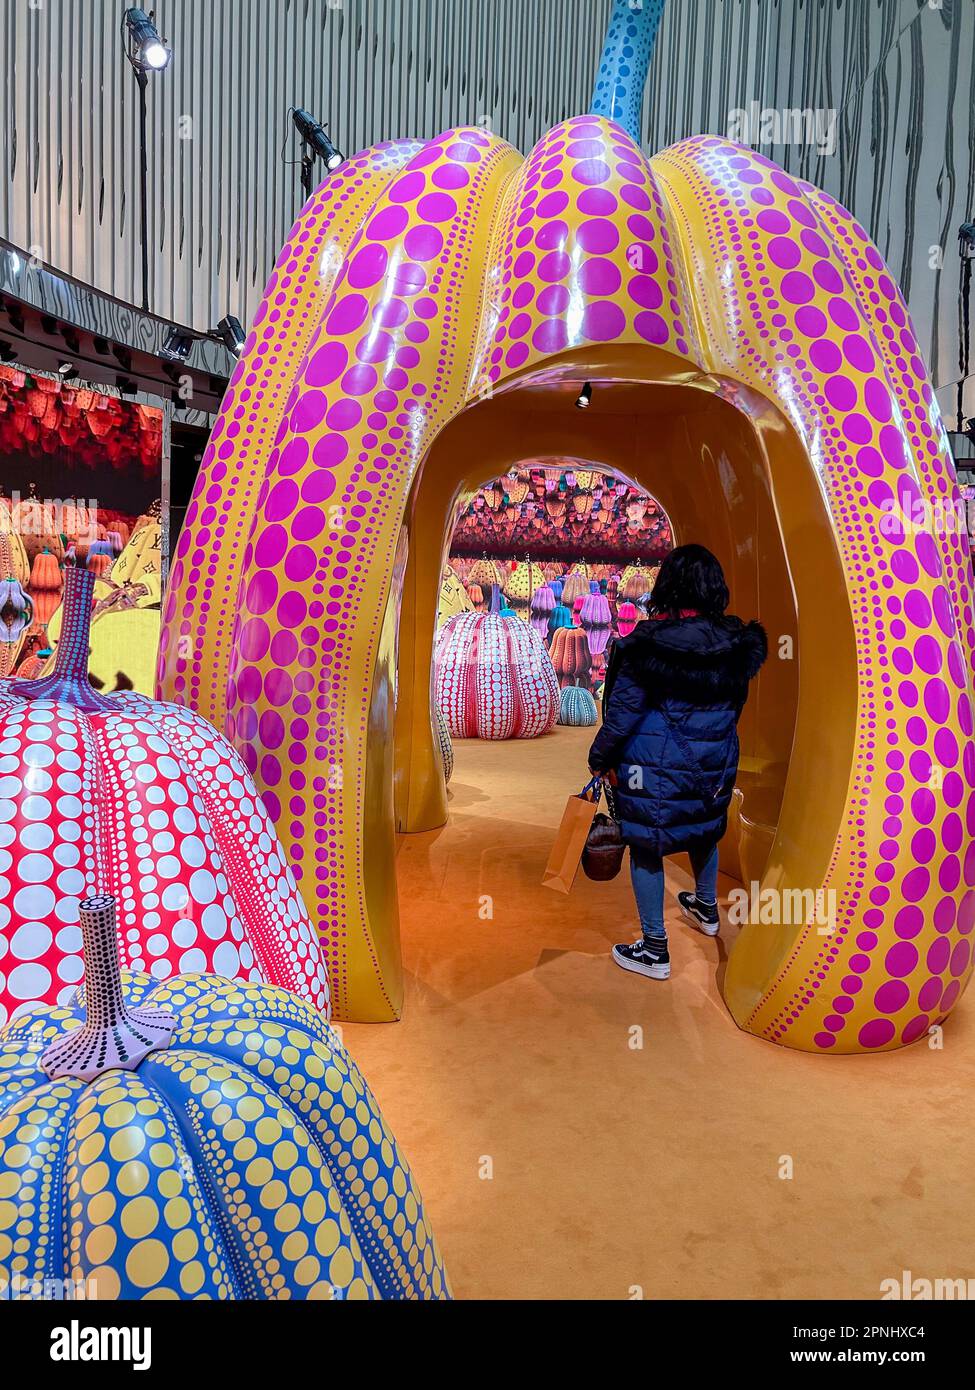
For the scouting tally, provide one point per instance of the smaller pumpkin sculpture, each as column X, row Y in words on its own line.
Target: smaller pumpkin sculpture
column 577, row 707
column 627, row 616
column 493, row 678
column 46, row 584
column 173, row 824
column 542, row 608
column 570, row 655
column 100, row 558
column 16, row 610
column 13, row 556
column 524, row 579
column 596, row 622
column 637, row 582
column 198, row 1138
column 561, row 617
column 575, row 586
column 485, row 573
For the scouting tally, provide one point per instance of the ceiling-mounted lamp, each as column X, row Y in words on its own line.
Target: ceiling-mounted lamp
column 584, row 397
column 231, row 333
column 176, row 345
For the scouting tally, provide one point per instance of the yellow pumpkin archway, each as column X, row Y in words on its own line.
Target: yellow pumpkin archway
column 460, row 282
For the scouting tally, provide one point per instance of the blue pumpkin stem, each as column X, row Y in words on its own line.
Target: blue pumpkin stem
column 623, row 67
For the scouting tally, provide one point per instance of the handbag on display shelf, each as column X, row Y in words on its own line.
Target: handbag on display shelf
column 570, row 839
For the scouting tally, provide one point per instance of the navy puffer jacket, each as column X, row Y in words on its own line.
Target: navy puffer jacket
column 674, row 691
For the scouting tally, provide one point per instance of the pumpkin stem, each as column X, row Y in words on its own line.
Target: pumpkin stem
column 72, row 657
column 625, row 61
column 69, row 680
column 112, row 1035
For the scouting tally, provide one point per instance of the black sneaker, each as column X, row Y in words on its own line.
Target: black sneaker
column 703, row 915
column 643, row 958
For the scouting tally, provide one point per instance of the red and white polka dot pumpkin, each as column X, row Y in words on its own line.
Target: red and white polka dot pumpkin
column 494, row 678
column 124, row 795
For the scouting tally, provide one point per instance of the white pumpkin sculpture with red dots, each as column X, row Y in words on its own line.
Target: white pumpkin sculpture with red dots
column 494, row 678
column 145, row 801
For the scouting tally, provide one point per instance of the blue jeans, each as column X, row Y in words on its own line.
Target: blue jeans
column 647, row 873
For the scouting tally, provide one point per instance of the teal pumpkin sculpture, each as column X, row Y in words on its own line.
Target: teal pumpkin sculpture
column 197, row 1138
column 576, row 706
column 561, row 617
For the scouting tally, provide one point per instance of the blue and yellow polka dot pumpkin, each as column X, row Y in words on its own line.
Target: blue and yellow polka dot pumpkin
column 197, row 1138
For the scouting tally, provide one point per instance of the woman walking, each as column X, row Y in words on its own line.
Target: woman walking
column 675, row 689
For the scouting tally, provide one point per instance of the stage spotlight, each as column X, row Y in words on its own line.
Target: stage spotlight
column 231, row 333
column 316, row 138
column 146, row 51
column 585, row 396
column 7, row 353
column 67, row 371
column 176, row 345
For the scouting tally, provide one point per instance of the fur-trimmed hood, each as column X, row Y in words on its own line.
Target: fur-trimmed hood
column 700, row 660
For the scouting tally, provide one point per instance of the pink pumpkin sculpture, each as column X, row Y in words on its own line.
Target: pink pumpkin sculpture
column 494, row 678
column 124, row 795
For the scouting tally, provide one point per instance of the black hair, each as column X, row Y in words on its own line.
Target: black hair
column 690, row 577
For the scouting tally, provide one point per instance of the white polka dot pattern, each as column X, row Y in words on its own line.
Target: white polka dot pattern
column 494, row 678
column 147, row 802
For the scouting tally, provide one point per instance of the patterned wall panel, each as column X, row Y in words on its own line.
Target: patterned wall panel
column 222, row 199
column 899, row 76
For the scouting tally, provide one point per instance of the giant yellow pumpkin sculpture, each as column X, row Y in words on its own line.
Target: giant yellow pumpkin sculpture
column 429, row 324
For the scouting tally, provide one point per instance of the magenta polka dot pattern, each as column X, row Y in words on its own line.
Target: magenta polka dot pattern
column 587, row 256
column 199, row 607
column 436, row 273
column 819, row 327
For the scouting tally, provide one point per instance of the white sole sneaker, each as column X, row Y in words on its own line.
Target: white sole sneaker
column 706, row 928
column 653, row 972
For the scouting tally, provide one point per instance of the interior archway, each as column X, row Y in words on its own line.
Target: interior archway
column 729, row 475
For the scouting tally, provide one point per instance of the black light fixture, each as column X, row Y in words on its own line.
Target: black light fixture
column 67, row 371
column 316, row 143
column 966, row 250
column 147, row 53
column 7, row 353
column 145, row 49
column 584, row 397
column 176, row 345
column 231, row 333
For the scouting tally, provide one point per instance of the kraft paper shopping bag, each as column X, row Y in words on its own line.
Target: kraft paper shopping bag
column 570, row 840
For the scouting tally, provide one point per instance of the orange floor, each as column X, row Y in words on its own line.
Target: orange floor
column 559, row 1158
